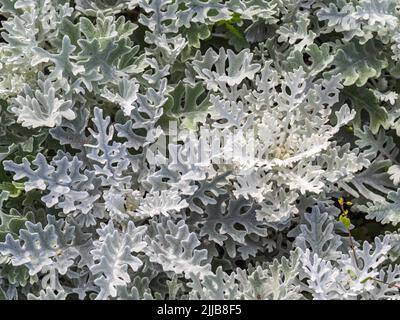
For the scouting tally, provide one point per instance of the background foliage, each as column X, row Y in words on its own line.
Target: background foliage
column 88, row 87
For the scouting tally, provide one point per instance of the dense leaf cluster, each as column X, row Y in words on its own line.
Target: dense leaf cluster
column 91, row 207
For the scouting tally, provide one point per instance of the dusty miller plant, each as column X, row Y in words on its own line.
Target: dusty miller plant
column 107, row 108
